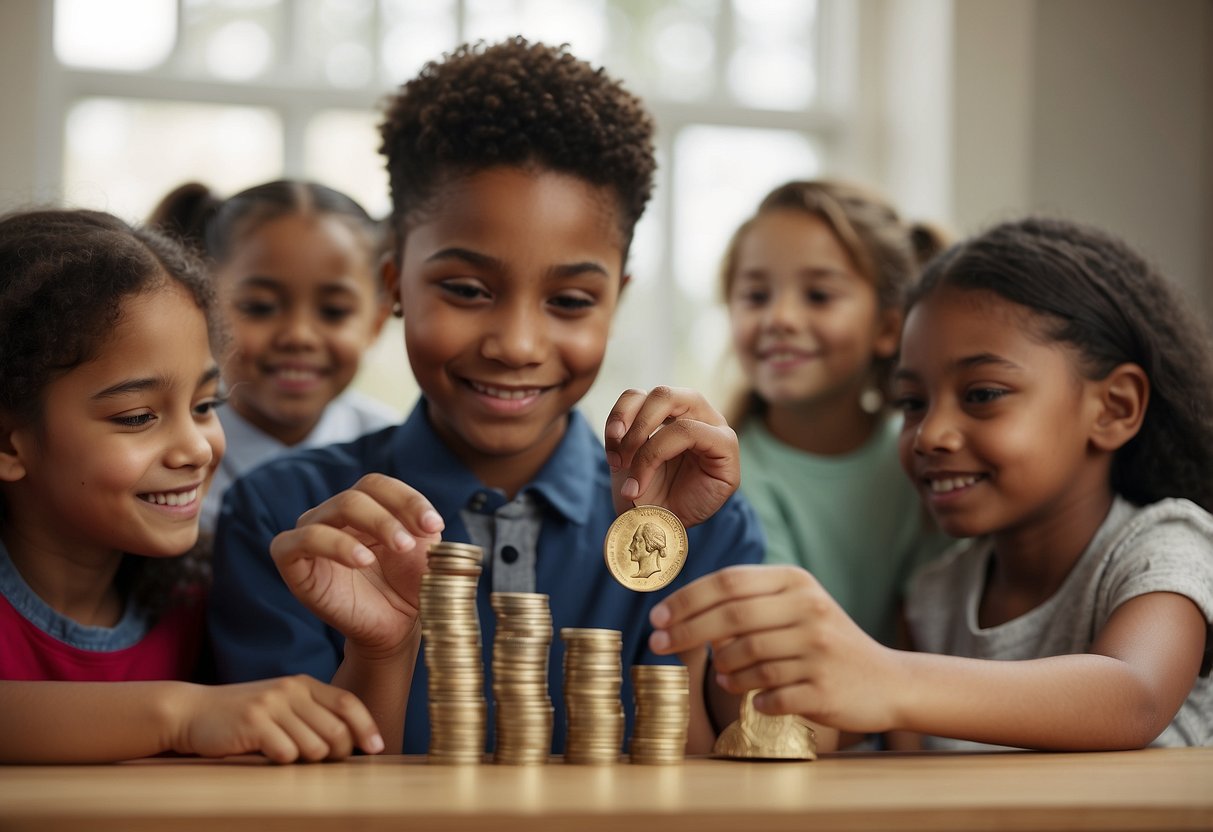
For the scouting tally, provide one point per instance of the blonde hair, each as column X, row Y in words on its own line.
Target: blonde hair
column 888, row 252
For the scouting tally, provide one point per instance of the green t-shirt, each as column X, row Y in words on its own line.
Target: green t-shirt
column 854, row 520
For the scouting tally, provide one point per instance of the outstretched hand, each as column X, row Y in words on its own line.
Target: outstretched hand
column 670, row 448
column 356, row 561
column 776, row 629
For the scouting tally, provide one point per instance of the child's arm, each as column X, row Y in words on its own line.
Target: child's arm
column 670, row 448
column 778, row 630
column 356, row 562
column 286, row 719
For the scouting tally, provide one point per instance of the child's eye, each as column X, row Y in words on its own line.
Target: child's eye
column 755, row 297
column 984, row 395
column 463, row 290
column 908, row 404
column 572, row 303
column 134, row 420
column 818, row 297
column 256, row 308
column 336, row 314
column 207, row 407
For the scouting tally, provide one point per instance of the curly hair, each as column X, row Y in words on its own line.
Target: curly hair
column 889, row 252
column 1093, row 292
column 64, row 277
column 519, row 104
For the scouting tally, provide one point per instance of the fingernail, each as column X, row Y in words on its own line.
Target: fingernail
column 613, row 460
column 630, row 489
column 363, row 556
column 374, row 745
column 659, row 616
column 431, row 521
column 403, row 542
column 614, row 430
column 659, row 641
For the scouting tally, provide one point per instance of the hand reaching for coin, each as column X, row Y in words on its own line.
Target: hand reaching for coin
column 670, row 448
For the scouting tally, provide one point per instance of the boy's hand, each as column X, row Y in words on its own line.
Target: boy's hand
column 776, row 629
column 670, row 448
column 356, row 561
column 287, row 719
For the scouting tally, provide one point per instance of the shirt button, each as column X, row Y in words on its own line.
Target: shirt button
column 477, row 502
column 509, row 554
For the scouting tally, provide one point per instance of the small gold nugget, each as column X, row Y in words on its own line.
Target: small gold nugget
column 645, row 548
column 759, row 736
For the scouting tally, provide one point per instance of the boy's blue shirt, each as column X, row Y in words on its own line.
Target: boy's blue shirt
column 259, row 629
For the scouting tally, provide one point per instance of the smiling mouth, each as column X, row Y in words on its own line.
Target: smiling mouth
column 508, row 394
column 946, row 485
column 295, row 374
column 171, row 498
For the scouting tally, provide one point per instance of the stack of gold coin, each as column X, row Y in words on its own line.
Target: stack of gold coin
column 451, row 629
column 520, row 677
column 593, row 675
column 663, row 710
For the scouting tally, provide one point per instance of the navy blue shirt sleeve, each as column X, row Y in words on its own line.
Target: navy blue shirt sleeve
column 258, row 628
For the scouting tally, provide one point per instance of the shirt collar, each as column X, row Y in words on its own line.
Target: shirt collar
column 568, row 481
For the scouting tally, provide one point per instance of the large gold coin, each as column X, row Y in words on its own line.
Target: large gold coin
column 645, row 548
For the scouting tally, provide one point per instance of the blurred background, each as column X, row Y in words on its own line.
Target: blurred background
column 965, row 112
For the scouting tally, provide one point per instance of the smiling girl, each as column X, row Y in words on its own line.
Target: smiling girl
column 108, row 441
column 1057, row 398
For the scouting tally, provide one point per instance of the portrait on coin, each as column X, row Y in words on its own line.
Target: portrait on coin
column 647, row 549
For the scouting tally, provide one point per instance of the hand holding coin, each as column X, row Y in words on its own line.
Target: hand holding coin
column 670, row 448
column 645, row 548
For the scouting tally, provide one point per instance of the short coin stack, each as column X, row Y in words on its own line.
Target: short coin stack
column 663, row 710
column 593, row 675
column 451, row 628
column 520, row 677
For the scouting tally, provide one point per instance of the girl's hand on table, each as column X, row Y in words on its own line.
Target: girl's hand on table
column 287, row 719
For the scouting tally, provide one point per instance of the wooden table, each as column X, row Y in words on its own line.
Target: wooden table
column 1146, row 790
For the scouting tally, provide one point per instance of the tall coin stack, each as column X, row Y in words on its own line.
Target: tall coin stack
column 663, row 711
column 451, row 628
column 593, row 675
column 520, row 677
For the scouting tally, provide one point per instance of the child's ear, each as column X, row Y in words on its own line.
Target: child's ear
column 888, row 332
column 389, row 286
column 12, row 466
column 1123, row 397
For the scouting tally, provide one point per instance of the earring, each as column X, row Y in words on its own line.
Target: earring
column 397, row 310
column 871, row 400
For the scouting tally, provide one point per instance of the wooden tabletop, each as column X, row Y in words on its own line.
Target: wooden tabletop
column 1154, row 789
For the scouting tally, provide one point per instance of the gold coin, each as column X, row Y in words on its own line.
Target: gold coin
column 645, row 548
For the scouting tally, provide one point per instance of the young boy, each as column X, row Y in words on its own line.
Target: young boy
column 518, row 174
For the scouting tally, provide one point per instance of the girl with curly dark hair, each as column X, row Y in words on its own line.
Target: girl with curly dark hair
column 108, row 442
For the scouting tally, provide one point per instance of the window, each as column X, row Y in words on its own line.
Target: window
column 233, row 92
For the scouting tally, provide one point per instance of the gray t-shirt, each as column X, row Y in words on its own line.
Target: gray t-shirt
column 1163, row 547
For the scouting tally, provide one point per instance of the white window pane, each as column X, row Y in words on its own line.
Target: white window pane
column 414, row 32
column 720, row 175
column 116, row 34
column 341, row 150
column 774, row 60
column 235, row 40
column 681, row 45
column 123, row 155
column 580, row 23
column 336, row 41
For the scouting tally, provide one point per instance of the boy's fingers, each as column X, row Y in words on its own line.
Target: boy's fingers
column 363, row 513
column 319, row 542
column 714, row 448
column 404, row 502
column 619, row 420
column 738, row 621
column 764, row 676
column 276, row 744
column 311, row 745
column 758, row 648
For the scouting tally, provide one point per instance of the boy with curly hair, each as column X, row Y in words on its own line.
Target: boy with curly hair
column 518, row 173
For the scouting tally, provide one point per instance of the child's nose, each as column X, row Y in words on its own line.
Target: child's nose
column 783, row 312
column 516, row 339
column 191, row 445
column 937, row 433
column 298, row 329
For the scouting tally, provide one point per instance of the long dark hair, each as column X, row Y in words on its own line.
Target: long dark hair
column 1093, row 292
